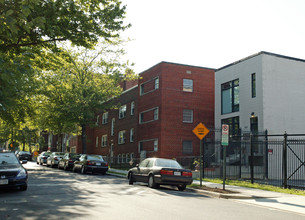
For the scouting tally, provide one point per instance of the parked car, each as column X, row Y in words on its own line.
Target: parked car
column 42, row 157
column 67, row 162
column 24, row 155
column 159, row 171
column 91, row 163
column 12, row 173
column 54, row 158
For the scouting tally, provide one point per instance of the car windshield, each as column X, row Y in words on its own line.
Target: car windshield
column 47, row 153
column 74, row 156
column 59, row 154
column 167, row 163
column 95, row 157
column 24, row 152
column 6, row 159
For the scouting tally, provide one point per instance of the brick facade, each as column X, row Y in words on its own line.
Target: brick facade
column 157, row 121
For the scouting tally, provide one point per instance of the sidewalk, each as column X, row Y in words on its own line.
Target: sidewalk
column 275, row 200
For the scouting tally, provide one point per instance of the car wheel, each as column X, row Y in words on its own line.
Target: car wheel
column 83, row 170
column 37, row 162
column 65, row 167
column 151, row 182
column 23, row 188
column 74, row 169
column 181, row 187
column 130, row 179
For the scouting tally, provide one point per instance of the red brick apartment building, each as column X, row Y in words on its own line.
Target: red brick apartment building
column 156, row 117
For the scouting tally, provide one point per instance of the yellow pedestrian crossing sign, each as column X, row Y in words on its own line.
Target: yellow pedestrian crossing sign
column 201, row 131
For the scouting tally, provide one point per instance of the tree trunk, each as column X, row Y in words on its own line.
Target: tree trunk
column 84, row 140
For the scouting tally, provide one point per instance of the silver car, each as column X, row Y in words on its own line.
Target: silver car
column 54, row 158
column 42, row 158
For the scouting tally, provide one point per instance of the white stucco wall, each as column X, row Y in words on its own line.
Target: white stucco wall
column 242, row 71
column 280, row 93
column 283, row 95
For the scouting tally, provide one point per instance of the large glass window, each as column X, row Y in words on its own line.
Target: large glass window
column 233, row 125
column 122, row 137
column 104, row 141
column 230, row 97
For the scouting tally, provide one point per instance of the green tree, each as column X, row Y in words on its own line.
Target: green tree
column 81, row 83
column 45, row 22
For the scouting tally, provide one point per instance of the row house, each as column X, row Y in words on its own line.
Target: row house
column 156, row 116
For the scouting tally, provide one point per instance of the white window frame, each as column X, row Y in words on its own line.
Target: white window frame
column 105, row 118
column 184, row 116
column 96, row 141
column 104, row 140
column 132, row 108
column 122, row 137
column 131, row 135
column 155, row 118
column 112, row 126
column 122, row 111
column 188, row 85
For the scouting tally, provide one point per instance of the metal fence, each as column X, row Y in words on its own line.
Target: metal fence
column 277, row 160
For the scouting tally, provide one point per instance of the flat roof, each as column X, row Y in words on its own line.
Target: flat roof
column 175, row 64
column 257, row 54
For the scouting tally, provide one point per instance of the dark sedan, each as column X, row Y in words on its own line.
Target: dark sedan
column 67, row 162
column 24, row 155
column 90, row 163
column 12, row 173
column 159, row 171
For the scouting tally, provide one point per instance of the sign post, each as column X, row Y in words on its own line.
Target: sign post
column 224, row 143
column 201, row 131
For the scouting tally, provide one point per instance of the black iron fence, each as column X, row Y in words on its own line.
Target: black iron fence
column 277, row 160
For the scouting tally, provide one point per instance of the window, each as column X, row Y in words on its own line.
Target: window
column 119, row 158
column 132, row 108
column 149, row 86
column 156, row 83
column 131, row 134
column 187, row 116
column 127, row 158
column 149, row 115
column 233, row 125
column 123, row 158
column 97, row 120
column 187, row 147
column 230, row 97
column 96, row 142
column 188, row 85
column 104, row 141
column 156, row 145
column 121, row 137
column 253, row 85
column 112, row 126
column 122, row 111
column 105, row 118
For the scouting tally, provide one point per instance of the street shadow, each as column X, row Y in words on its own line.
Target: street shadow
column 269, row 200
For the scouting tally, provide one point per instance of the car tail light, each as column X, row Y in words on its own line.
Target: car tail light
column 188, row 174
column 70, row 160
column 90, row 163
column 166, row 172
column 106, row 164
column 55, row 158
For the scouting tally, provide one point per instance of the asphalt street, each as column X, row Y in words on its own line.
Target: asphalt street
column 58, row 194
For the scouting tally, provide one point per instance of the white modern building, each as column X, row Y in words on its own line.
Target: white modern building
column 261, row 92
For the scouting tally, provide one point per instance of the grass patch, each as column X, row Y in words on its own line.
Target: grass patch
column 257, row 186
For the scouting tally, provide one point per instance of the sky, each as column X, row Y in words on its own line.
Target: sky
column 212, row 33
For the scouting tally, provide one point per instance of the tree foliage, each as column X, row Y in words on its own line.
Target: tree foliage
column 79, row 84
column 37, row 22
